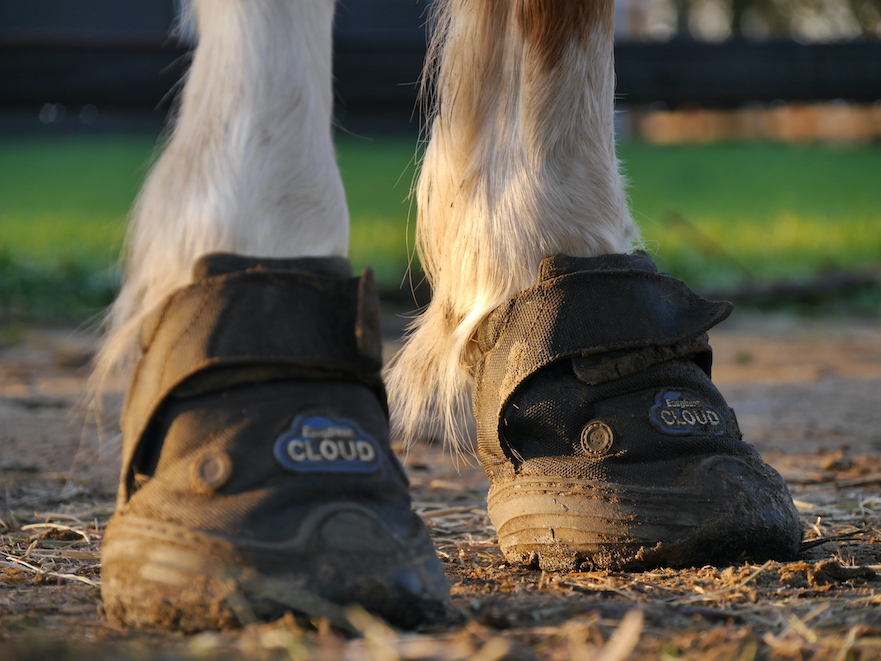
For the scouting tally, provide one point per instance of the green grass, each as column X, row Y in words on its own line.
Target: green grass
column 714, row 215
column 378, row 175
column 63, row 205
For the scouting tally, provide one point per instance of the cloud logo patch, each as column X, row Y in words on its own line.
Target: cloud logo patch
column 681, row 413
column 326, row 444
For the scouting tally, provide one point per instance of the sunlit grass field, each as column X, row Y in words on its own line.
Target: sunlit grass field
column 717, row 216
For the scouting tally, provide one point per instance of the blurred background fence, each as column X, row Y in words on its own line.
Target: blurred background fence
column 80, row 59
column 704, row 88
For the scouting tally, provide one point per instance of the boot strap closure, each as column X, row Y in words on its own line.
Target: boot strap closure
column 594, row 315
column 253, row 325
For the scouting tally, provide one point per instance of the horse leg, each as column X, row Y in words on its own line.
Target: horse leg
column 606, row 443
column 249, row 166
column 258, row 475
column 520, row 165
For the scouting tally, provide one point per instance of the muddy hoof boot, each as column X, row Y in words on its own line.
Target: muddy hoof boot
column 606, row 443
column 257, row 472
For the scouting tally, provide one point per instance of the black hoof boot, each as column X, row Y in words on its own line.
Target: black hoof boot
column 257, row 472
column 606, row 443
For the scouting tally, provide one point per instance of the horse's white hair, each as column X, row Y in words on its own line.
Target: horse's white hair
column 520, row 165
column 249, row 167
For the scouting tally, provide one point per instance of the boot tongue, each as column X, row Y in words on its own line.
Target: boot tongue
column 224, row 263
column 558, row 265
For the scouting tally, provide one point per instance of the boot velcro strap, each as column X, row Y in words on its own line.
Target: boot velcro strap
column 257, row 322
column 601, row 368
column 584, row 314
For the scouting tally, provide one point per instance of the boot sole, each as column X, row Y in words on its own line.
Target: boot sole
column 164, row 576
column 734, row 510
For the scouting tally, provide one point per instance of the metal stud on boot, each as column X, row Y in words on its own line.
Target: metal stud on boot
column 257, row 472
column 606, row 442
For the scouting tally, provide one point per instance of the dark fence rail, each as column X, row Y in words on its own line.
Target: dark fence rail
column 378, row 70
column 731, row 73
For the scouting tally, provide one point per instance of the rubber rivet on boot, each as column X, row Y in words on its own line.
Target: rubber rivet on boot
column 210, row 472
column 597, row 438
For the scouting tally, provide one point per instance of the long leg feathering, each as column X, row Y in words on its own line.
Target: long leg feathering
column 520, row 165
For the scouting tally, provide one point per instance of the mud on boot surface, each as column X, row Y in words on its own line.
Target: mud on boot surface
column 257, row 472
column 606, row 442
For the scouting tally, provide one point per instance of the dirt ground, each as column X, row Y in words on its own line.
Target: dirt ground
column 807, row 393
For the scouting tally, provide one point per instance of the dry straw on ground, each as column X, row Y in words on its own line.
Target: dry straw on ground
column 808, row 400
